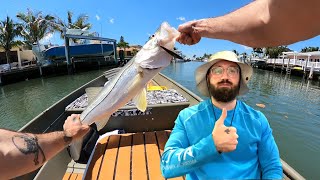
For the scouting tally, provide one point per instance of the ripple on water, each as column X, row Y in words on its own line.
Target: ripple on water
column 21, row 102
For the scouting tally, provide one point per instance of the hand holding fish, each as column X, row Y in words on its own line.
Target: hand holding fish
column 130, row 83
column 190, row 32
column 73, row 129
column 224, row 138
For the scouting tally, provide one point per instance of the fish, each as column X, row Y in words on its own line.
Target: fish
column 130, row 82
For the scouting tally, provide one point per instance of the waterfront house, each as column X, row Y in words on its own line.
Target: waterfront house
column 305, row 61
column 19, row 58
column 130, row 51
column 302, row 63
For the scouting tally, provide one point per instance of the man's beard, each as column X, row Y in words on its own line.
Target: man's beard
column 224, row 94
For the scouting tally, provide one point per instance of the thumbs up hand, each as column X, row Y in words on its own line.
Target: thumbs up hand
column 225, row 138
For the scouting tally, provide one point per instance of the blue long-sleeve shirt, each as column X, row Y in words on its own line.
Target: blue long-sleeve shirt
column 190, row 149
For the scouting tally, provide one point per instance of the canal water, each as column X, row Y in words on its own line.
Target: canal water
column 292, row 107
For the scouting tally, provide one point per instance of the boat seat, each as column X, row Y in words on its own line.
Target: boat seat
column 128, row 156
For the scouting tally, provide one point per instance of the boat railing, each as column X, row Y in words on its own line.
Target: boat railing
column 289, row 172
column 314, row 64
column 299, row 63
column 294, row 62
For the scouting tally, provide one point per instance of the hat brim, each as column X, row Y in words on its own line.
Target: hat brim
column 201, row 72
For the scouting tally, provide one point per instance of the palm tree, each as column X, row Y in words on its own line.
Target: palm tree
column 80, row 23
column 8, row 32
column 35, row 26
column 309, row 49
column 122, row 43
column 274, row 52
column 205, row 56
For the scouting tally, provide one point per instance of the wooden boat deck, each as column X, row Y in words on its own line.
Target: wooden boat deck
column 72, row 176
column 126, row 156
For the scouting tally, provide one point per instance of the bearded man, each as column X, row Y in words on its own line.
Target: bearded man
column 222, row 137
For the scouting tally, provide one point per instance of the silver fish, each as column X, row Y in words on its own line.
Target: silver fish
column 130, row 82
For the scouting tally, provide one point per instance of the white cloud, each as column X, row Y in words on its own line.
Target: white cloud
column 47, row 38
column 97, row 17
column 111, row 20
column 181, row 18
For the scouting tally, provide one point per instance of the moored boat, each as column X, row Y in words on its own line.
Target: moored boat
column 161, row 118
column 79, row 51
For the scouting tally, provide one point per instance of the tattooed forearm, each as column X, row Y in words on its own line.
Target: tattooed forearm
column 28, row 145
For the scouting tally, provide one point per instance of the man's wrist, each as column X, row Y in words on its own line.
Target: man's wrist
column 215, row 145
column 67, row 138
column 202, row 26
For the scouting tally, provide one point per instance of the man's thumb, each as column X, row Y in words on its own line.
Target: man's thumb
column 223, row 116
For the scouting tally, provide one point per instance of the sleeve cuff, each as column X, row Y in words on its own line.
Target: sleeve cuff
column 208, row 149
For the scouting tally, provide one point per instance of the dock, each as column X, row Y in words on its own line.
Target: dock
column 57, row 68
column 16, row 75
column 306, row 64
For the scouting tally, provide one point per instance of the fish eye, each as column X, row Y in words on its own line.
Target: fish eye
column 152, row 36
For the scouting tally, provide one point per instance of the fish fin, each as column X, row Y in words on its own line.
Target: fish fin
column 173, row 54
column 140, row 71
column 140, row 100
column 100, row 124
column 92, row 92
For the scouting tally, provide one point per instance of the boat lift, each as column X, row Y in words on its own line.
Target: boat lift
column 83, row 34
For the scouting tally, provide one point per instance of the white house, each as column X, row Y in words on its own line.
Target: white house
column 18, row 57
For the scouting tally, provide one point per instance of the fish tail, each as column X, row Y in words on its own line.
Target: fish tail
column 75, row 149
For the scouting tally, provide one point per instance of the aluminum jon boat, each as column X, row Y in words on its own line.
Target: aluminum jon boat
column 133, row 155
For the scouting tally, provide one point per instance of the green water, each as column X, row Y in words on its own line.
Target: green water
column 292, row 107
column 21, row 102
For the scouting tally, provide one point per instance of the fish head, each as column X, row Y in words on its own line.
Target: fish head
column 153, row 55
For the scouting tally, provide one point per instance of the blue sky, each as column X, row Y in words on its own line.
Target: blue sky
column 137, row 19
